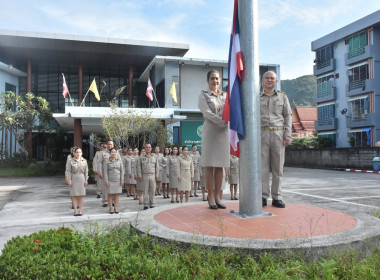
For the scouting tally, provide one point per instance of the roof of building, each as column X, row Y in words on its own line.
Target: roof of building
column 17, row 46
column 303, row 118
column 372, row 19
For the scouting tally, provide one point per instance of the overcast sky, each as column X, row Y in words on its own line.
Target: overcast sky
column 286, row 27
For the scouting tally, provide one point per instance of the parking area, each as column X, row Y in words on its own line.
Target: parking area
column 28, row 205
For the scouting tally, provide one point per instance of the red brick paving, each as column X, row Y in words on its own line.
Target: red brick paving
column 294, row 221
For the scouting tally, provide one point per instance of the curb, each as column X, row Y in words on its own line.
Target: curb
column 362, row 171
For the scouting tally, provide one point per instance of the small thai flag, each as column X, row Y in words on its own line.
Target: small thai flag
column 65, row 89
column 149, row 91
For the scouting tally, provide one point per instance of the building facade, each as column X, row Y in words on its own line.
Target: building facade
column 114, row 63
column 347, row 67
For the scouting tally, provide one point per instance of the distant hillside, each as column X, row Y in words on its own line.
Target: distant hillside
column 300, row 90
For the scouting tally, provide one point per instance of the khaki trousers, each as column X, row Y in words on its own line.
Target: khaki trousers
column 272, row 157
column 104, row 190
column 98, row 186
column 149, row 187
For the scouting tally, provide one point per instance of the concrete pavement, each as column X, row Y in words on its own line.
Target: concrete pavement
column 28, row 205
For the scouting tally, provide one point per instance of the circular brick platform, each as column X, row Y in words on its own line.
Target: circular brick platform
column 307, row 229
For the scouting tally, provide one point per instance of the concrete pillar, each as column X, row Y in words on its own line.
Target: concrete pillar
column 78, row 133
column 130, row 87
column 29, row 144
column 80, row 83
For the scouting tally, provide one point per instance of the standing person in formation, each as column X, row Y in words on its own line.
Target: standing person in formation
column 233, row 175
column 165, row 173
column 124, row 155
column 215, row 141
column 276, row 125
column 139, row 186
column 95, row 168
column 196, row 157
column 131, row 173
column 186, row 174
column 173, row 174
column 159, row 158
column 105, row 158
column 114, row 179
column 68, row 162
column 180, row 151
column 147, row 172
column 77, row 180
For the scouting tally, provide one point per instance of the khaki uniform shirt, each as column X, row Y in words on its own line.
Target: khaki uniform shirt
column 147, row 165
column 77, row 167
column 275, row 110
column 105, row 157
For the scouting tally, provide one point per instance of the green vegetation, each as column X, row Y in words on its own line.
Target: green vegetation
column 311, row 143
column 34, row 169
column 118, row 253
column 300, row 90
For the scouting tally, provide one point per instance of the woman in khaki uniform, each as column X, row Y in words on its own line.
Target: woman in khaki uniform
column 196, row 157
column 186, row 173
column 131, row 176
column 233, row 175
column 173, row 174
column 77, row 173
column 114, row 179
column 215, row 141
column 159, row 157
column 165, row 173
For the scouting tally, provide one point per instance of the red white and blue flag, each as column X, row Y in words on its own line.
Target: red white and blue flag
column 232, row 108
column 149, row 91
column 65, row 89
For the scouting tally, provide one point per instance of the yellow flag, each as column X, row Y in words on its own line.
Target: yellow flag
column 173, row 92
column 94, row 89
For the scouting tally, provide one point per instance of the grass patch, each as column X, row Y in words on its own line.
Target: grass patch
column 376, row 214
column 118, row 253
column 34, row 169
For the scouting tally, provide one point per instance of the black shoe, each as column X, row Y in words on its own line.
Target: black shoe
column 111, row 212
column 264, row 202
column 98, row 196
column 152, row 206
column 278, row 203
column 105, row 205
column 146, row 207
column 117, row 212
column 221, row 206
column 236, row 198
column 213, row 207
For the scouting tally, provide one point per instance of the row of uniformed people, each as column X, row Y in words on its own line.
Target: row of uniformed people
column 177, row 172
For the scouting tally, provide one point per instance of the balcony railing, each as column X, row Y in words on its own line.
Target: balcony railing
column 356, row 52
column 324, row 92
column 323, row 64
column 357, row 84
column 326, row 124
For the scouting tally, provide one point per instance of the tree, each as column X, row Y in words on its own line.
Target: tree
column 132, row 129
column 21, row 115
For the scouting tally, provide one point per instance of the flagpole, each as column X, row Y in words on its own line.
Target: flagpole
column 158, row 105
column 70, row 98
column 250, row 147
column 84, row 97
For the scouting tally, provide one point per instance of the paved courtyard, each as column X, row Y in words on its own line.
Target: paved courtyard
column 28, row 205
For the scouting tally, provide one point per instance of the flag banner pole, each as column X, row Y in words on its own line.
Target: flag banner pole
column 158, row 105
column 70, row 99
column 84, row 98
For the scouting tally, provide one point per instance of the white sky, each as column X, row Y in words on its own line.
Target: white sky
column 286, row 27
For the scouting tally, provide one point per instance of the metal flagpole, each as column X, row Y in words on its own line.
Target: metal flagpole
column 250, row 147
column 84, row 97
column 158, row 105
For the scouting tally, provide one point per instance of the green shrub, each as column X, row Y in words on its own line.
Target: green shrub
column 117, row 253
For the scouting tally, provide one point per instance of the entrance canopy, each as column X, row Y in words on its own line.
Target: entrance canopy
column 91, row 117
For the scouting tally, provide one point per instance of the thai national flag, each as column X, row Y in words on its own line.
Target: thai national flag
column 232, row 109
column 149, row 91
column 65, row 89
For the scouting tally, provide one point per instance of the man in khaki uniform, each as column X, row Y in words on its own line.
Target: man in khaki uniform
column 95, row 168
column 276, row 123
column 104, row 157
column 147, row 171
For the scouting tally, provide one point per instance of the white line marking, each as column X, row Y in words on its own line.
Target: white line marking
column 333, row 199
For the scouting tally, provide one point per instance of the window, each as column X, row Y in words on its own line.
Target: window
column 176, row 135
column 324, row 84
column 357, row 43
column 324, row 54
column 10, row 87
column 359, row 108
column 360, row 138
column 327, row 140
column 326, row 112
column 359, row 73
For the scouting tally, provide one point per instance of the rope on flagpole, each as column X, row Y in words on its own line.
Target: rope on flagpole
column 158, row 105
